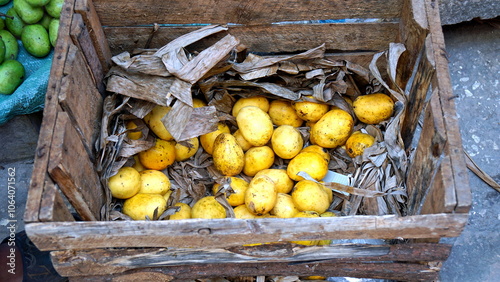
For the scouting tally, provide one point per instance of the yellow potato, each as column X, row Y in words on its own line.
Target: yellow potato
column 333, row 129
column 228, row 156
column 310, row 111
column 310, row 162
column 373, row 108
column 242, row 141
column 282, row 112
column 329, row 192
column 287, row 141
column 134, row 135
column 281, row 180
column 258, row 101
column 185, row 151
column 160, row 156
column 318, row 149
column 207, row 140
column 308, row 195
column 154, row 182
column 125, row 184
column 208, row 208
column 239, row 187
column 257, row 159
column 260, row 196
column 167, row 195
column 198, row 103
column 153, row 120
column 183, row 213
column 357, row 143
column 255, row 125
column 284, row 207
column 308, row 214
column 242, row 212
column 142, row 205
column 137, row 165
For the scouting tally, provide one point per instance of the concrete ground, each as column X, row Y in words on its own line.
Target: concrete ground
column 473, row 51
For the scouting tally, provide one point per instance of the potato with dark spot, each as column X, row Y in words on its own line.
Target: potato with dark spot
column 261, row 195
column 228, row 156
column 333, row 129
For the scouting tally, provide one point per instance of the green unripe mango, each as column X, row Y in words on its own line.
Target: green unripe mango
column 54, row 8
column 45, row 21
column 28, row 13
column 15, row 25
column 53, row 28
column 2, row 51
column 11, row 46
column 11, row 76
column 35, row 40
column 37, row 3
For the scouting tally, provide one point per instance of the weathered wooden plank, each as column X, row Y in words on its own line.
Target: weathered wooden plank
column 114, row 261
column 39, row 174
column 428, row 156
column 93, row 24
column 73, row 171
column 81, row 38
column 80, row 99
column 393, row 271
column 53, row 207
column 126, row 13
column 417, row 94
column 269, row 38
column 412, row 33
column 234, row 232
column 457, row 177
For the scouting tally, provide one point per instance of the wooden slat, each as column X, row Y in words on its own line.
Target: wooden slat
column 39, row 174
column 53, row 206
column 394, row 271
column 130, row 13
column 417, row 95
column 80, row 99
column 231, row 232
column 73, row 171
column 428, row 156
column 91, row 19
column 114, row 261
column 270, row 38
column 81, row 38
column 457, row 177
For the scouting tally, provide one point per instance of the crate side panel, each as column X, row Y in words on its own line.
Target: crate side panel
column 39, row 174
column 53, row 206
column 130, row 13
column 233, row 232
column 72, row 170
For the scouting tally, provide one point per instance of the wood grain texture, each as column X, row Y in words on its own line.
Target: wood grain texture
column 130, row 13
column 234, row 232
column 72, row 170
column 53, row 206
column 115, row 261
column 39, row 173
column 269, row 38
column 457, row 177
column 79, row 97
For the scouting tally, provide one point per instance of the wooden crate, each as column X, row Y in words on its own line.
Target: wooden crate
column 92, row 31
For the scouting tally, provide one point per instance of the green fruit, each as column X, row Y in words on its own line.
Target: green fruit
column 4, row 2
column 2, row 51
column 11, row 76
column 27, row 13
column 15, row 25
column 54, row 8
column 2, row 23
column 35, row 40
column 37, row 3
column 45, row 21
column 53, row 28
column 11, row 46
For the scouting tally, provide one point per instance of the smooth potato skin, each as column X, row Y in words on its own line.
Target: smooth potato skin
column 142, row 205
column 310, row 111
column 242, row 141
column 228, row 156
column 258, row 101
column 260, row 196
column 310, row 162
column 257, row 159
column 183, row 213
column 308, row 195
column 183, row 152
column 284, row 207
column 333, row 129
column 153, row 120
column 207, row 140
column 373, row 108
column 287, row 141
column 208, row 208
column 255, row 125
column 282, row 112
column 281, row 180
column 160, row 156
column 357, row 143
column 125, row 184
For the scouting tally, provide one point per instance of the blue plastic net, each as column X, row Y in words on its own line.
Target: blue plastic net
column 29, row 97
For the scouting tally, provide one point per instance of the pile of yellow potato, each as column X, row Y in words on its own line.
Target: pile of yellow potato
column 267, row 129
